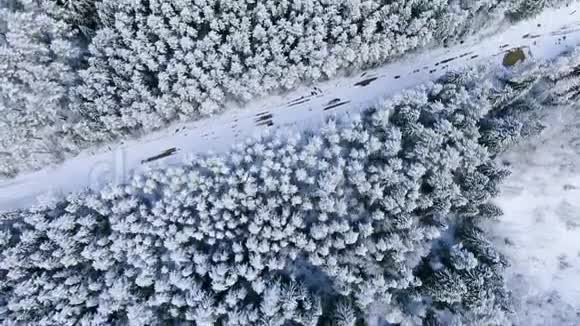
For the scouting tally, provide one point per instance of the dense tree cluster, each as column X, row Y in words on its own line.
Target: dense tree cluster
column 38, row 67
column 466, row 276
column 81, row 14
column 154, row 62
column 520, row 9
column 519, row 102
column 158, row 61
column 336, row 226
column 564, row 79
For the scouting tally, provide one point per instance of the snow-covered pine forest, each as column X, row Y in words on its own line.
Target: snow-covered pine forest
column 374, row 219
column 75, row 74
column 391, row 217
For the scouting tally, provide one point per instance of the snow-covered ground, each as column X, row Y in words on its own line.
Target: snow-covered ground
column 544, row 37
column 540, row 231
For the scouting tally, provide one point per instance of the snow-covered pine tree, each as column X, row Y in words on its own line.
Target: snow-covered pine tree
column 518, row 104
column 464, row 275
column 522, row 9
column 564, row 80
column 81, row 14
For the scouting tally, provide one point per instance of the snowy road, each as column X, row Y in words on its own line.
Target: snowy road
column 544, row 37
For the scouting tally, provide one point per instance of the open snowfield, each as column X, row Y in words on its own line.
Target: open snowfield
column 544, row 37
column 540, row 231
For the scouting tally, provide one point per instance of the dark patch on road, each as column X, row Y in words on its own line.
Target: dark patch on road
column 447, row 60
column 568, row 187
column 397, row 77
column 465, row 54
column 264, row 117
column 262, row 113
column 565, row 32
column 366, row 82
column 474, row 56
column 299, row 102
column 164, row 154
column 265, row 120
column 335, row 105
column 301, row 98
column 513, row 57
column 333, row 101
column 268, row 123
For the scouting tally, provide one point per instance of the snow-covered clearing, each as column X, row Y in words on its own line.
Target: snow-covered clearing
column 540, row 231
column 544, row 37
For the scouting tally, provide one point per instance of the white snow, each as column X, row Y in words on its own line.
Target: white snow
column 540, row 231
column 544, row 37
